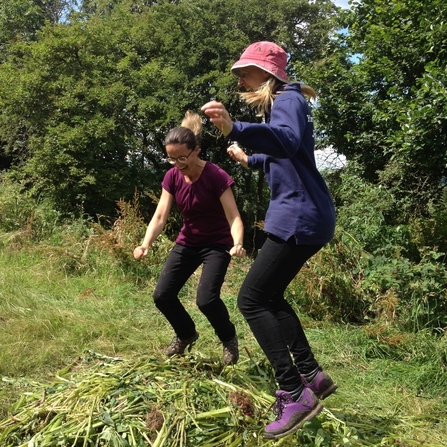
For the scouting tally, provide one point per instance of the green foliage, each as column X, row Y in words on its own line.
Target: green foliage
column 364, row 209
column 383, row 97
column 414, row 295
column 355, row 286
column 431, row 230
column 16, row 206
column 21, row 20
column 24, row 217
column 83, row 121
column 377, row 269
column 329, row 286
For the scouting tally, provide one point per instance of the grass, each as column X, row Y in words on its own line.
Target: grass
column 71, row 323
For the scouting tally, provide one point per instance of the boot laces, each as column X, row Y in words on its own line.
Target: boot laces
column 278, row 406
column 176, row 343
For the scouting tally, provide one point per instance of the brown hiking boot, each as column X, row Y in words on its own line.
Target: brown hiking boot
column 178, row 346
column 230, row 352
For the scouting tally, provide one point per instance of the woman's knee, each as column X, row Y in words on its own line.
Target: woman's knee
column 244, row 304
column 251, row 301
column 208, row 307
column 161, row 298
column 208, row 300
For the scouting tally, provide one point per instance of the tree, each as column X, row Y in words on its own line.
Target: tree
column 90, row 102
column 383, row 97
column 21, row 19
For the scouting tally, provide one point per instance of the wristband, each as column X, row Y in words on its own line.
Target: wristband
column 238, row 245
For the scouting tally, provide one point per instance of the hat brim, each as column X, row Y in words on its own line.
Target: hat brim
column 236, row 68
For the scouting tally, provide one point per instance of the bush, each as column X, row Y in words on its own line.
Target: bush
column 344, row 283
column 431, row 231
column 329, row 286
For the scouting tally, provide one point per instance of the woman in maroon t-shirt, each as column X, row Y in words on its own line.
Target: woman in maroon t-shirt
column 212, row 232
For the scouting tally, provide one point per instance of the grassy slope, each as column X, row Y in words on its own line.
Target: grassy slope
column 48, row 318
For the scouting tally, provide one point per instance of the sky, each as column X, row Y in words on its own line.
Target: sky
column 342, row 3
column 328, row 159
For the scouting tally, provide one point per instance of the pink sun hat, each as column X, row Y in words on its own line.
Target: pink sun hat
column 265, row 55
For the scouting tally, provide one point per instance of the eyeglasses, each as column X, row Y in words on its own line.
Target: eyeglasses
column 180, row 160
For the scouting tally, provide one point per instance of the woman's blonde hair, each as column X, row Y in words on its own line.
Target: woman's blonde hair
column 194, row 122
column 189, row 132
column 264, row 96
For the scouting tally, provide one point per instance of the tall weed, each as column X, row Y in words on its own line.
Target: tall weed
column 96, row 246
column 377, row 269
column 24, row 217
column 363, row 209
column 330, row 285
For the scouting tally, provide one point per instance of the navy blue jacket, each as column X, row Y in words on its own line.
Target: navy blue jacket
column 283, row 146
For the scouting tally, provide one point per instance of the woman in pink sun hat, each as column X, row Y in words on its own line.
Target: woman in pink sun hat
column 267, row 56
column 299, row 221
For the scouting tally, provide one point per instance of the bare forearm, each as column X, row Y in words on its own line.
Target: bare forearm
column 153, row 230
column 237, row 233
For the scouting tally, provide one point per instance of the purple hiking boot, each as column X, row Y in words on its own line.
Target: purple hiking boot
column 322, row 385
column 290, row 415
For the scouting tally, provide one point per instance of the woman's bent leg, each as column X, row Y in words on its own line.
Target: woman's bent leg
column 215, row 265
column 180, row 265
column 272, row 321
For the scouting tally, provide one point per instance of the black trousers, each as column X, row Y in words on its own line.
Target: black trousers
column 182, row 262
column 272, row 320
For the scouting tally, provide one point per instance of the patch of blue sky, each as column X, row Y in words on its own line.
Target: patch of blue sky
column 345, row 5
column 342, row 3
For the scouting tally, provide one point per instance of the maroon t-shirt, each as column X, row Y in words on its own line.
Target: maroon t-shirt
column 204, row 221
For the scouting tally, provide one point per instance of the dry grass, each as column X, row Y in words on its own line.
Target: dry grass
column 62, row 303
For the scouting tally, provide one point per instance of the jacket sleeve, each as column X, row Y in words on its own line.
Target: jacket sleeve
column 256, row 161
column 281, row 137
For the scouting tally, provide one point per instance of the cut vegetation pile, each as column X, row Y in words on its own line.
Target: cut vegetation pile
column 191, row 401
column 103, row 401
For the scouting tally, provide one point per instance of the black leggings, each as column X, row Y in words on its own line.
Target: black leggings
column 272, row 320
column 182, row 262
